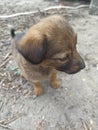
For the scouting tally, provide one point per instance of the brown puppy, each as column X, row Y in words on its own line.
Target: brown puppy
column 45, row 48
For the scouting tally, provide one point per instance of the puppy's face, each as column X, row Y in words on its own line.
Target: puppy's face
column 66, row 59
column 71, row 63
column 52, row 43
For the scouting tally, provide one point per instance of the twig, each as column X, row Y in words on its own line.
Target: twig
column 5, row 60
column 17, row 14
column 4, row 123
column 39, row 11
column 46, row 9
column 9, row 120
column 85, row 125
column 66, row 7
column 4, row 63
column 1, row 74
column 2, row 81
column 9, row 76
column 7, row 56
column 1, row 106
column 6, row 127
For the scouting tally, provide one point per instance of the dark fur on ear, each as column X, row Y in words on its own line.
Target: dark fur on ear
column 12, row 31
column 33, row 50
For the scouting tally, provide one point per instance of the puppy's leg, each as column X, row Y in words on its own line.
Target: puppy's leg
column 53, row 80
column 38, row 89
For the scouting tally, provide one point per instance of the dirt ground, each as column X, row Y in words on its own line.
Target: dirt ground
column 74, row 105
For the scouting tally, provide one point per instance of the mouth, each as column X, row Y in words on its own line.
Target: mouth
column 73, row 72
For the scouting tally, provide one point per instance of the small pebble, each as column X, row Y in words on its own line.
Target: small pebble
column 84, row 80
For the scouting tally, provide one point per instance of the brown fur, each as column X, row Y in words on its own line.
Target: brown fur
column 46, row 47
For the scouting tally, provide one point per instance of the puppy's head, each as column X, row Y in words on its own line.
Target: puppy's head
column 63, row 55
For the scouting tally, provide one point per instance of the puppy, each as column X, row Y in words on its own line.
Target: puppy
column 47, row 47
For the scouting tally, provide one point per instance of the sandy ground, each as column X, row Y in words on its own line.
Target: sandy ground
column 74, row 105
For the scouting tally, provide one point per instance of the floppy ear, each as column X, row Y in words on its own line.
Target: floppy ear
column 33, row 50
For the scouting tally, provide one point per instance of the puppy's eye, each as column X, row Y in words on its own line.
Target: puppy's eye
column 62, row 59
column 65, row 59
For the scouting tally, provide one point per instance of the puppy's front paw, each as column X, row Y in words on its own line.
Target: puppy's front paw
column 38, row 90
column 55, row 84
column 54, row 81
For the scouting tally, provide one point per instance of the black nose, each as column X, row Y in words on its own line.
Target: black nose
column 81, row 64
